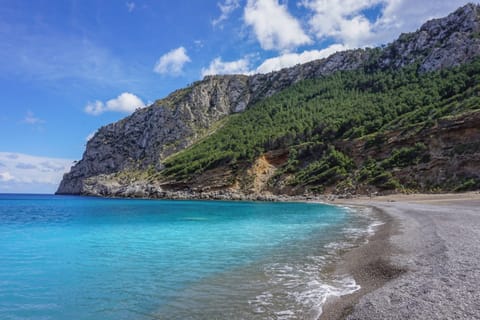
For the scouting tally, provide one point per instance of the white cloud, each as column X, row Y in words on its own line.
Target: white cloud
column 346, row 21
column 31, row 119
column 172, row 62
column 95, row 108
column 341, row 20
column 274, row 27
column 226, row 8
column 26, row 173
column 126, row 102
column 130, row 6
column 291, row 59
column 6, row 176
column 243, row 66
column 22, row 165
column 217, row 66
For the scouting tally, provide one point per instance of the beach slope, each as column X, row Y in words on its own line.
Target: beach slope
column 423, row 264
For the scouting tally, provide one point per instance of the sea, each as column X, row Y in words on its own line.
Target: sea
column 72, row 257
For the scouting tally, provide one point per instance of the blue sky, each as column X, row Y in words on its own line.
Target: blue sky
column 70, row 67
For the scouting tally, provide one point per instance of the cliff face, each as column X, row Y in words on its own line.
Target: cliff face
column 148, row 135
column 143, row 140
column 439, row 43
column 169, row 125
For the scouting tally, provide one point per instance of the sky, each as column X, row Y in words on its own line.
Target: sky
column 68, row 67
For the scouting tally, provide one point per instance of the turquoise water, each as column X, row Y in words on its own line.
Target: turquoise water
column 87, row 258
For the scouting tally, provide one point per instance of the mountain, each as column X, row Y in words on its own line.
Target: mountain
column 401, row 117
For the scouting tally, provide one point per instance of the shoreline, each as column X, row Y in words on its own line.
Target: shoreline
column 422, row 263
column 369, row 264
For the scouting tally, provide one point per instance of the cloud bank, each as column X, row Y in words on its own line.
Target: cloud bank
column 24, row 173
column 291, row 59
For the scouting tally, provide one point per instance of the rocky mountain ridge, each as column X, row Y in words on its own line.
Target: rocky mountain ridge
column 144, row 139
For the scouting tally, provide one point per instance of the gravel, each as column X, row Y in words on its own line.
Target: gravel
column 438, row 246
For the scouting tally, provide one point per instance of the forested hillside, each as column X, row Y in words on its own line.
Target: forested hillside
column 402, row 117
column 313, row 117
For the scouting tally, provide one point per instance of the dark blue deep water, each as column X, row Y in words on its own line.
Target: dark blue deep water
column 87, row 258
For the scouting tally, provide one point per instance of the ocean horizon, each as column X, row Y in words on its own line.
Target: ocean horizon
column 73, row 257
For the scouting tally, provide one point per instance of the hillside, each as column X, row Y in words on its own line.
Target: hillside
column 398, row 118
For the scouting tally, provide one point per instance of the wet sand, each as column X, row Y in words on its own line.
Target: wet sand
column 423, row 263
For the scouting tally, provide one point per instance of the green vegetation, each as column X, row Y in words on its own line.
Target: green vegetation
column 406, row 156
column 311, row 117
column 373, row 173
column 468, row 184
column 332, row 167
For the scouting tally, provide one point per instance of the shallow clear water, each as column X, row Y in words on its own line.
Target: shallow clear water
column 88, row 258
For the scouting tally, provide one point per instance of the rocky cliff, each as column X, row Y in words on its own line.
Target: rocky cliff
column 171, row 124
column 142, row 141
